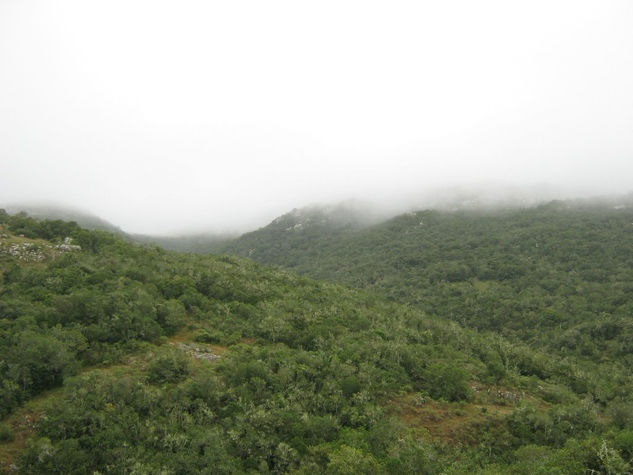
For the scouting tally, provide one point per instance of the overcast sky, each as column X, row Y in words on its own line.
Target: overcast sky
column 166, row 115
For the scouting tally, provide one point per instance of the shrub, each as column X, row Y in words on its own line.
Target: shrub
column 169, row 367
column 446, row 381
column 350, row 386
column 6, row 433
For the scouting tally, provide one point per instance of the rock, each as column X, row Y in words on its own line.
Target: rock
column 197, row 352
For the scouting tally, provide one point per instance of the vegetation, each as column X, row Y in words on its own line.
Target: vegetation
column 558, row 276
column 312, row 377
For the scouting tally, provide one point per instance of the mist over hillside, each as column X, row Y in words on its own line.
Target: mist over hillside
column 357, row 214
column 381, row 205
column 63, row 212
column 204, row 237
column 203, row 243
column 485, row 196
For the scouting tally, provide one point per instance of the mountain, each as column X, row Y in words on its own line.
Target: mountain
column 485, row 196
column 120, row 358
column 198, row 243
column 300, row 228
column 551, row 276
column 64, row 213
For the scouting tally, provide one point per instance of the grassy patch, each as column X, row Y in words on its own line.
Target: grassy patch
column 482, row 285
column 23, row 424
column 452, row 423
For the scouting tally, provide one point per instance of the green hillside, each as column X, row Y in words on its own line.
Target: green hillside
column 315, row 219
column 558, row 276
column 51, row 212
column 118, row 358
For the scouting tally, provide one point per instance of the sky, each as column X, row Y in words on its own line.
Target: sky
column 161, row 116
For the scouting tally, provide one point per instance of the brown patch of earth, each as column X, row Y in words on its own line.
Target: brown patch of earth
column 457, row 422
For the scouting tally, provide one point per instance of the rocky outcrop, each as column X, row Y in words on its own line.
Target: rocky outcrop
column 35, row 252
column 197, row 352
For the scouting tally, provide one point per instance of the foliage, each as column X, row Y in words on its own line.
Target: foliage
column 553, row 280
column 168, row 367
column 309, row 369
column 6, row 434
column 562, row 269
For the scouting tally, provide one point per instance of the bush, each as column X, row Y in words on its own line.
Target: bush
column 621, row 414
column 6, row 433
column 210, row 337
column 348, row 460
column 624, row 443
column 350, row 386
column 169, row 367
column 446, row 381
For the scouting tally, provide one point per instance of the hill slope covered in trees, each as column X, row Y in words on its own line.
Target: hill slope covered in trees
column 120, row 358
column 558, row 276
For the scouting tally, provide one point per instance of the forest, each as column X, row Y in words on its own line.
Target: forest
column 558, row 276
column 434, row 342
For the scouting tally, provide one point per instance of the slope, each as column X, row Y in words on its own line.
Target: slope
column 558, row 276
column 313, row 377
column 64, row 213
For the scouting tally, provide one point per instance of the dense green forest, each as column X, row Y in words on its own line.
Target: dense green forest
column 122, row 358
column 558, row 276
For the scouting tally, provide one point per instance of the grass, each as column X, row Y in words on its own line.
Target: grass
column 482, row 285
column 457, row 422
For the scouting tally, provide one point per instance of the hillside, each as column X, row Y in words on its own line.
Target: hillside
column 298, row 230
column 557, row 276
column 121, row 358
column 320, row 219
column 64, row 213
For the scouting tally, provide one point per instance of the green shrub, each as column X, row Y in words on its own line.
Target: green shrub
column 447, row 381
column 350, row 386
column 348, row 460
column 624, row 443
column 170, row 366
column 6, row 433
column 210, row 337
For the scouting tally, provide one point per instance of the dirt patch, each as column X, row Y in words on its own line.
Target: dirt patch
column 448, row 422
column 185, row 335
